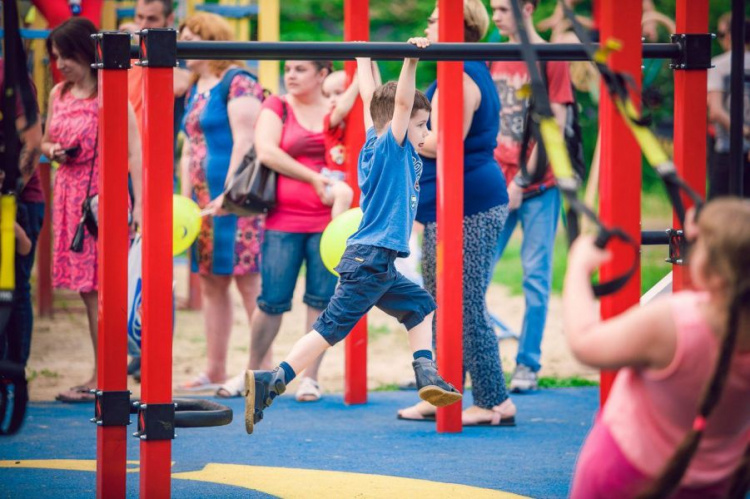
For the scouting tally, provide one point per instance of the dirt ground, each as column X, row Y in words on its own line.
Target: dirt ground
column 61, row 354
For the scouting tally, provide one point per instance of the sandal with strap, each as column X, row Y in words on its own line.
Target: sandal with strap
column 308, row 390
column 234, row 387
column 500, row 415
column 421, row 411
column 200, row 383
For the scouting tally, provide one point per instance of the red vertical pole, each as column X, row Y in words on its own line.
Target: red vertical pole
column 44, row 247
column 356, row 28
column 620, row 184
column 112, row 345
column 450, row 213
column 689, row 119
column 158, row 156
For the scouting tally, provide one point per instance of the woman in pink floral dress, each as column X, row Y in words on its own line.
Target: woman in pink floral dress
column 71, row 140
column 220, row 112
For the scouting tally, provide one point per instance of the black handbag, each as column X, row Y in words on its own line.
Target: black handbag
column 252, row 190
column 87, row 221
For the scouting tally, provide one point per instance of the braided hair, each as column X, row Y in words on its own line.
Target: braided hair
column 724, row 228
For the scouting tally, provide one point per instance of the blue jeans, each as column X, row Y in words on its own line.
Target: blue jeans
column 538, row 217
column 369, row 278
column 21, row 321
column 282, row 254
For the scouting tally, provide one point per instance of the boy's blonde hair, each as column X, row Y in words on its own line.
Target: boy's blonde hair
column 384, row 101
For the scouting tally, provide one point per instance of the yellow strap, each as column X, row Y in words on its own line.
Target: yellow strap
column 557, row 151
column 7, row 242
column 652, row 150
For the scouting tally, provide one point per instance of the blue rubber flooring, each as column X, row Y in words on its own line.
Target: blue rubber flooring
column 536, row 458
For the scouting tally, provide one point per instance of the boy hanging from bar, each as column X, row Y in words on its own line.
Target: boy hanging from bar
column 389, row 168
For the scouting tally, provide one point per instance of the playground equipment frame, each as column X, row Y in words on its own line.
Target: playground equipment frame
column 620, row 194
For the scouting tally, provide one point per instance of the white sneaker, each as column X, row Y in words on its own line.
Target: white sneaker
column 524, row 379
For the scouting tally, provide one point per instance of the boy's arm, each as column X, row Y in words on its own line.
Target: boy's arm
column 405, row 90
column 366, row 87
column 404, row 101
column 376, row 74
column 345, row 103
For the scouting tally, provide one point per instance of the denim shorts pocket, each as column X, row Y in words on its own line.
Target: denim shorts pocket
column 347, row 267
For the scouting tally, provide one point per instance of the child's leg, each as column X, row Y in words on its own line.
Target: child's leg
column 306, row 351
column 420, row 336
column 353, row 298
column 342, row 198
column 414, row 308
column 261, row 387
column 432, row 387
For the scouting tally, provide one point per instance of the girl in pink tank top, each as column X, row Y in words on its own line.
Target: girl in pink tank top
column 677, row 421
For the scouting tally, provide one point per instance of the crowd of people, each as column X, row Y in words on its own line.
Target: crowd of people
column 300, row 135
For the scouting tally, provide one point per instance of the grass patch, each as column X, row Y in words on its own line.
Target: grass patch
column 374, row 332
column 388, row 387
column 570, row 382
column 44, row 373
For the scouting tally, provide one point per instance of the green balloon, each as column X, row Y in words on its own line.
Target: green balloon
column 333, row 240
column 186, row 223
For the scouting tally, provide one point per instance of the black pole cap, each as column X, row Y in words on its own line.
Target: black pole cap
column 158, row 48
column 112, row 50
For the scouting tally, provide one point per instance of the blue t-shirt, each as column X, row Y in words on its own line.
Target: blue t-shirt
column 388, row 175
column 484, row 184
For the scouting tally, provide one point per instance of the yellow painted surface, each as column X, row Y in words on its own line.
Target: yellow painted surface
column 268, row 31
column 40, row 73
column 296, row 483
column 62, row 464
column 109, row 15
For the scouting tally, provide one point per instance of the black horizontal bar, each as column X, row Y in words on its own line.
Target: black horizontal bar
column 339, row 51
column 654, row 237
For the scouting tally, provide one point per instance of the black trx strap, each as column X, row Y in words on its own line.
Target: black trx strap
column 618, row 85
column 13, row 386
column 556, row 150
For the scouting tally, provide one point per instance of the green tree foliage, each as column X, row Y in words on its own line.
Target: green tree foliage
column 323, row 20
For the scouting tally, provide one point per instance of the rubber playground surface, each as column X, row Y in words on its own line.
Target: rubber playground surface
column 323, row 449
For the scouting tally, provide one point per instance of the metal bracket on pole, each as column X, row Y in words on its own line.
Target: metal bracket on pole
column 158, row 48
column 695, row 51
column 677, row 247
column 112, row 50
column 112, row 408
column 156, row 422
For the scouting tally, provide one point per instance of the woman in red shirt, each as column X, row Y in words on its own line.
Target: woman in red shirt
column 289, row 138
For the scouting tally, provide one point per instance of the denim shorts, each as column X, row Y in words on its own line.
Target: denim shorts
column 369, row 278
column 282, row 254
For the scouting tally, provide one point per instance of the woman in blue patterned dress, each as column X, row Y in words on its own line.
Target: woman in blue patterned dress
column 221, row 108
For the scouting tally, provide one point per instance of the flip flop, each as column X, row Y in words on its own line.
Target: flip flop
column 76, row 395
column 502, row 415
column 417, row 412
column 234, row 387
column 200, row 383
